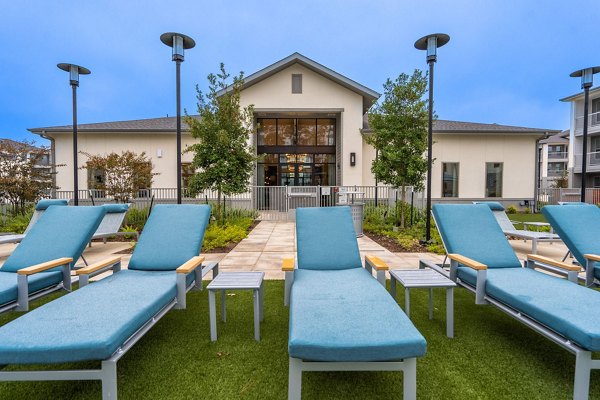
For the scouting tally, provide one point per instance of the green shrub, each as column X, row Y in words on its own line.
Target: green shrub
column 129, row 228
column 218, row 235
column 527, row 211
column 511, row 210
column 136, row 218
column 16, row 223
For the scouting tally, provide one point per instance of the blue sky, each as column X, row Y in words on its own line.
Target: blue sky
column 508, row 61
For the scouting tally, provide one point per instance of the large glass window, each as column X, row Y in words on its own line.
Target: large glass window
column 307, row 129
column 325, row 132
column 296, row 151
column 493, row 179
column 286, row 132
column 449, row 179
column 267, row 132
column 556, row 168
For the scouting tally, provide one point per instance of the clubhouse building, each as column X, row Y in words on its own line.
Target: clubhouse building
column 310, row 124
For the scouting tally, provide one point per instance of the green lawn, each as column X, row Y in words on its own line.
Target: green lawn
column 492, row 356
column 522, row 217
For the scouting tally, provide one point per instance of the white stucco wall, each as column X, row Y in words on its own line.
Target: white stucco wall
column 472, row 152
column 318, row 93
column 105, row 143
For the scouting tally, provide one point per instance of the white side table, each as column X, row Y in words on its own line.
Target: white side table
column 425, row 279
column 236, row 281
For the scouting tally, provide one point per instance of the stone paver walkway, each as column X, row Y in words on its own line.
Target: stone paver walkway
column 270, row 242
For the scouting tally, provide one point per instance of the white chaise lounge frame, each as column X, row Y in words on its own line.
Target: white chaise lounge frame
column 296, row 365
column 583, row 357
column 23, row 295
column 107, row 373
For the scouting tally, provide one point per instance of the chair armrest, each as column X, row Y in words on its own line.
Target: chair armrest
column 592, row 257
column 554, row 263
column 24, row 273
column 34, row 269
column 467, row 262
column 376, row 263
column 288, row 264
column 99, row 266
column 190, row 265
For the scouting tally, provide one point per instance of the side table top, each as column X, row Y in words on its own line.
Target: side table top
column 427, row 278
column 237, row 280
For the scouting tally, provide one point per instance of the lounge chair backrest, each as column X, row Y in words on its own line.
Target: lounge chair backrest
column 60, row 232
column 578, row 226
column 40, row 207
column 326, row 239
column 172, row 235
column 499, row 214
column 472, row 231
column 112, row 221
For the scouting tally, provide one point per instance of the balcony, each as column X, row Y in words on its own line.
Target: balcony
column 558, row 155
column 593, row 123
column 593, row 162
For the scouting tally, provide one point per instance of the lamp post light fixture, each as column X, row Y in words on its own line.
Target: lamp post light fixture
column 179, row 42
column 587, row 81
column 74, row 72
column 430, row 43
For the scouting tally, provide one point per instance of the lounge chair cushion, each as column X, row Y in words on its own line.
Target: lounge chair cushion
column 326, row 239
column 60, row 232
column 565, row 307
column 42, row 280
column 44, row 204
column 472, row 231
column 89, row 324
column 493, row 205
column 116, row 208
column 578, row 225
column 172, row 235
column 346, row 315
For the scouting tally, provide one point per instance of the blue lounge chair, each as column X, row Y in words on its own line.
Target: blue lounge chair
column 106, row 318
column 341, row 318
column 40, row 207
column 483, row 262
column 578, row 225
column 112, row 222
column 42, row 262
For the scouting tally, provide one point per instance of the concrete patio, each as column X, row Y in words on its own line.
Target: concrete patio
column 271, row 241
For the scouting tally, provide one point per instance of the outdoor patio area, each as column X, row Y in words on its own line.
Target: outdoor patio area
column 270, row 242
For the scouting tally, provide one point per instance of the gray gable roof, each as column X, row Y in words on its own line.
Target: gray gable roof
column 446, row 126
column 369, row 95
column 164, row 124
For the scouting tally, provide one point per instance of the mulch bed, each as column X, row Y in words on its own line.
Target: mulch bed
column 225, row 249
column 392, row 244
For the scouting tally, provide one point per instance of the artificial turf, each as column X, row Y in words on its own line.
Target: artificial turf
column 491, row 357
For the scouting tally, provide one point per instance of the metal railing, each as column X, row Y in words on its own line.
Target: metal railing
column 271, row 202
column 593, row 120
column 558, row 154
column 553, row 196
column 593, row 161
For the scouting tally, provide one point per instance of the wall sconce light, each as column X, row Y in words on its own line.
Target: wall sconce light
column 352, row 159
column 159, row 153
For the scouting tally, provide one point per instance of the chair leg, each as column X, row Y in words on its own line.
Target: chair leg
column 410, row 379
column 109, row 380
column 583, row 366
column 295, row 379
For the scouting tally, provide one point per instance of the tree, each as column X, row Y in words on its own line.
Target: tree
column 399, row 125
column 25, row 173
column 123, row 174
column 223, row 157
column 562, row 181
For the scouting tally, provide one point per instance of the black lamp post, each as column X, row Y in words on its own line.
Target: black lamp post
column 179, row 42
column 430, row 43
column 74, row 72
column 587, row 80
